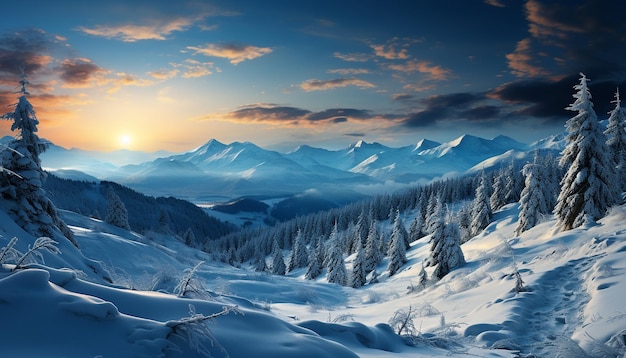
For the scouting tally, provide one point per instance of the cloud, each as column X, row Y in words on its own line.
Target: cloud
column 193, row 68
column 434, row 72
column 236, row 53
column 293, row 116
column 402, row 97
column 565, row 38
column 164, row 74
column 349, row 71
column 320, row 85
column 528, row 98
column 79, row 72
column 157, row 30
column 335, row 113
column 29, row 49
column 358, row 135
column 452, row 107
column 390, row 52
column 496, row 3
column 520, row 61
column 352, row 57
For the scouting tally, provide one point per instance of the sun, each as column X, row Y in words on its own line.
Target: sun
column 125, row 140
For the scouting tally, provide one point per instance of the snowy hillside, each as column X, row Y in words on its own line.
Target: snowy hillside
column 216, row 170
column 575, row 284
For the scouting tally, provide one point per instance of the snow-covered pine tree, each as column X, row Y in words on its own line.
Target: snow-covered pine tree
column 299, row 254
column 189, row 238
column 416, row 229
column 446, row 247
column 497, row 199
column 588, row 188
column 513, row 185
column 397, row 247
column 373, row 254
column 616, row 134
column 399, row 224
column 313, row 270
column 358, row 276
column 336, row 266
column 278, row 261
column 21, row 181
column 481, row 211
column 533, row 204
column 437, row 229
column 116, row 210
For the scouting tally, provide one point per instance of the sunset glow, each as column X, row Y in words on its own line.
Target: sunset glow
column 281, row 74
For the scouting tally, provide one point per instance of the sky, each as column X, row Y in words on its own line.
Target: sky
column 164, row 75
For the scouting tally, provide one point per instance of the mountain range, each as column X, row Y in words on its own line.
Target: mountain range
column 218, row 172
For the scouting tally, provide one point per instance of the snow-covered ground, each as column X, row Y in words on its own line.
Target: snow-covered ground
column 573, row 306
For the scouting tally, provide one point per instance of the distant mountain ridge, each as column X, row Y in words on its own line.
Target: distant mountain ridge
column 217, row 170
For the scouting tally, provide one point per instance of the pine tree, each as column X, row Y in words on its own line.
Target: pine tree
column 373, row 254
column 336, row 266
column 358, row 276
column 397, row 247
column 497, row 199
column 278, row 261
column 481, row 211
column 588, row 187
column 313, row 270
column 416, row 230
column 21, row 181
column 116, row 210
column 299, row 254
column 533, row 204
column 616, row 134
column 423, row 277
column 437, row 228
column 189, row 238
column 446, row 248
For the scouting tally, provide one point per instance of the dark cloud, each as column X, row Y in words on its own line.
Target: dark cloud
column 260, row 113
column 481, row 113
column 77, row 71
column 340, row 120
column 26, row 50
column 547, row 100
column 568, row 36
column 354, row 135
column 402, row 97
column 340, row 112
column 447, row 107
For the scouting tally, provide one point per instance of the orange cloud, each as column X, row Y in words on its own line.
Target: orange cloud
column 132, row 33
column 434, row 72
column 236, row 53
column 319, row 85
column 520, row 61
column 389, row 52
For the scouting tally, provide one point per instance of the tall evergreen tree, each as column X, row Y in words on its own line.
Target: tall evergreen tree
column 336, row 266
column 397, row 247
column 445, row 249
column 116, row 210
column 416, row 230
column 616, row 134
column 358, row 276
column 299, row 254
column 373, row 253
column 481, row 211
column 533, row 204
column 278, row 261
column 21, row 181
column 498, row 197
column 588, row 187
